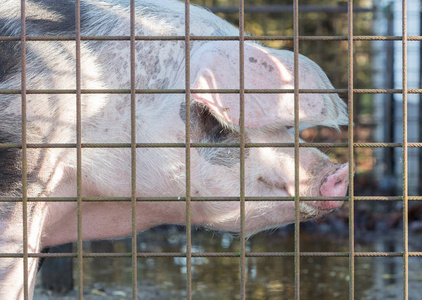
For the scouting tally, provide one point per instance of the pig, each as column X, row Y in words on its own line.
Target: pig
column 160, row 118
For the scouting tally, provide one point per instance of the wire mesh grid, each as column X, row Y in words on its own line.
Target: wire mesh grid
column 188, row 199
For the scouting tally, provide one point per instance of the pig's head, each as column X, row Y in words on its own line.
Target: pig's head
column 268, row 119
column 216, row 66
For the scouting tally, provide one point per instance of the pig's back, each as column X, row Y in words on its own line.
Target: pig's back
column 153, row 18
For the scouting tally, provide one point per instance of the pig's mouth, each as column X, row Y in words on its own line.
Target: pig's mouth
column 308, row 212
column 311, row 209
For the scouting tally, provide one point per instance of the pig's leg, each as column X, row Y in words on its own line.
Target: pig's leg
column 11, row 241
column 12, row 270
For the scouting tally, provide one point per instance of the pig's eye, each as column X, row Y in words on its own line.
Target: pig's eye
column 272, row 184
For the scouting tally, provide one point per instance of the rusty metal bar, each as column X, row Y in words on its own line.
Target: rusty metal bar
column 350, row 60
column 210, row 254
column 78, row 145
column 133, row 147
column 351, row 153
column 24, row 154
column 201, row 199
column 216, row 91
column 296, row 145
column 210, row 145
column 280, row 8
column 212, row 38
column 242, row 149
column 405, row 159
column 188, row 154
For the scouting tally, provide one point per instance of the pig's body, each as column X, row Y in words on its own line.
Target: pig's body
column 160, row 118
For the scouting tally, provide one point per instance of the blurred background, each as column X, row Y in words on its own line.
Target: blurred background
column 379, row 172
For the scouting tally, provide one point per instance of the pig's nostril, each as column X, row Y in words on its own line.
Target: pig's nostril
column 336, row 184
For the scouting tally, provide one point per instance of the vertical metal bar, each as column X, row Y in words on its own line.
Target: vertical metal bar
column 79, row 143
column 133, row 146
column 420, row 109
column 242, row 148
column 24, row 153
column 405, row 181
column 296, row 142
column 187, row 154
column 390, row 107
column 351, row 155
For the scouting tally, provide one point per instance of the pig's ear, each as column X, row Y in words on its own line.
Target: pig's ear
column 215, row 65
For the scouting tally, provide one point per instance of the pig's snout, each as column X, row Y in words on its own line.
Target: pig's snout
column 335, row 185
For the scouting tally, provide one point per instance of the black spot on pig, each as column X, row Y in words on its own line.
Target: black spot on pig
column 63, row 21
column 59, row 21
column 10, row 166
column 208, row 129
column 9, row 52
column 253, row 59
column 65, row 24
column 269, row 68
column 9, row 58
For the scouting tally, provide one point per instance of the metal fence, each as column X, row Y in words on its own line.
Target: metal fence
column 243, row 255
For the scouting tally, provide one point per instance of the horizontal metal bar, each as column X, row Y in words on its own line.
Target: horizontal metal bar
column 101, row 91
column 200, row 199
column 209, row 38
column 175, row 91
column 331, row 38
column 208, row 91
column 165, row 199
column 207, row 145
column 280, row 8
column 210, row 254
